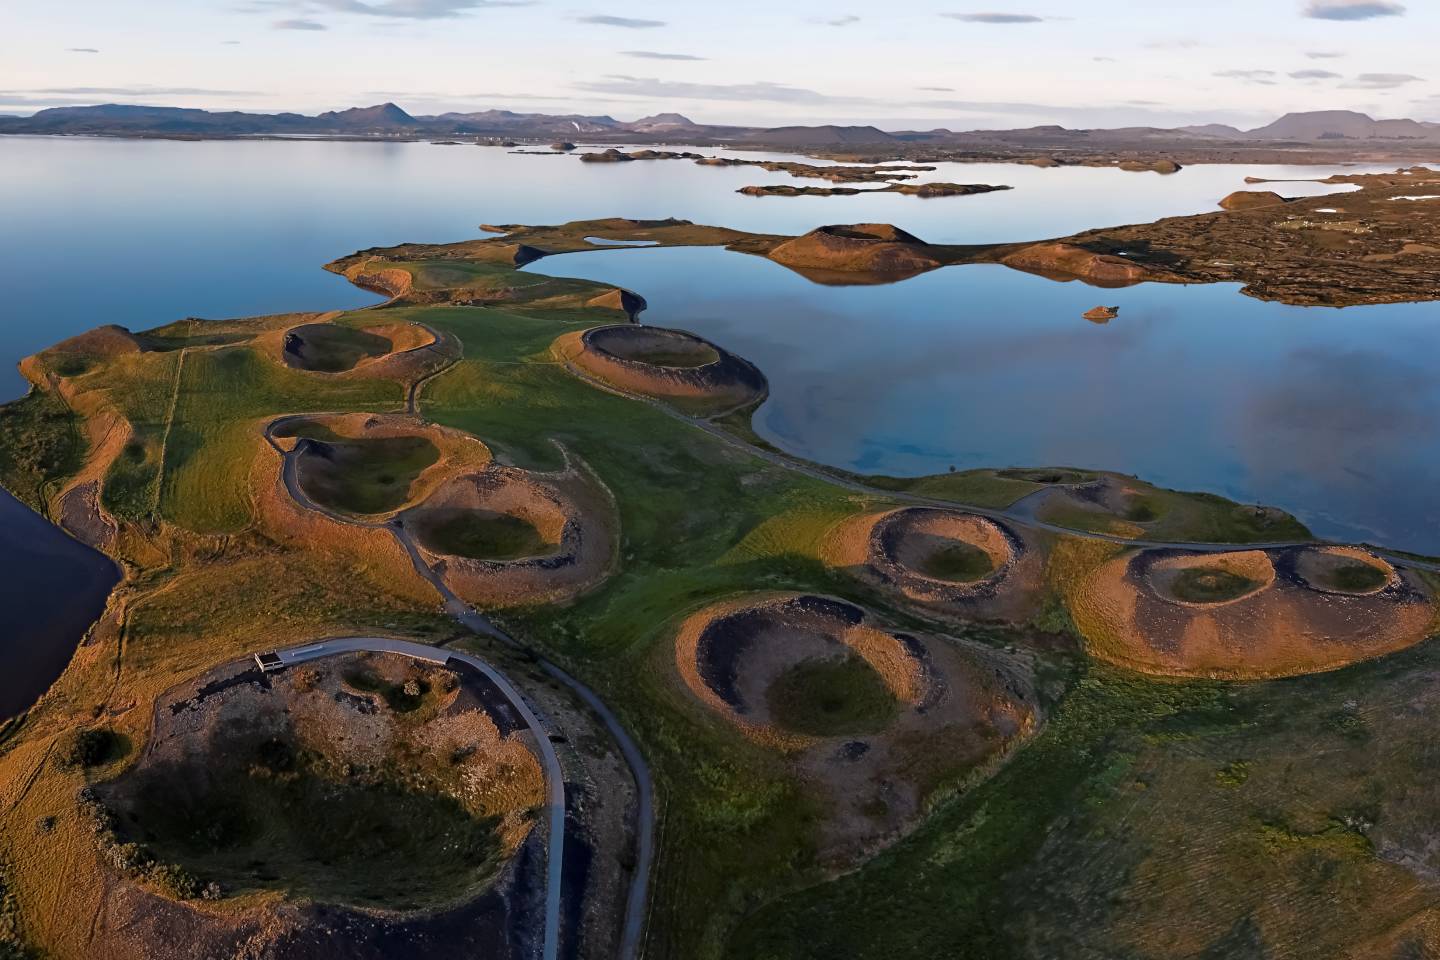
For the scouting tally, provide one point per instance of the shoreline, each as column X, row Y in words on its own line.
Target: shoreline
column 1187, row 154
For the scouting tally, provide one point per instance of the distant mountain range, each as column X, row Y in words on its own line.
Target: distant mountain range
column 388, row 120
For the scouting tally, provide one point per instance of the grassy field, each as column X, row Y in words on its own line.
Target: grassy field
column 1119, row 831
column 1207, row 585
column 482, row 535
column 1354, row 578
column 957, row 562
column 365, row 476
column 831, row 697
column 1163, row 820
column 225, row 396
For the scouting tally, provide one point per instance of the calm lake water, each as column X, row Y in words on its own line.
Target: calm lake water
column 1326, row 413
column 1332, row 414
column 143, row 232
column 51, row 589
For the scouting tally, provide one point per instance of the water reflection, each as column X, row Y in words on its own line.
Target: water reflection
column 1331, row 414
column 144, row 232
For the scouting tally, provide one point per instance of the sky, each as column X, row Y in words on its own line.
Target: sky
column 918, row 65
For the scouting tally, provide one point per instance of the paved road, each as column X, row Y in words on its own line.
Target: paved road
column 554, row 777
column 638, row 895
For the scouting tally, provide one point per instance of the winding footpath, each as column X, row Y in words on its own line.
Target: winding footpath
column 554, row 777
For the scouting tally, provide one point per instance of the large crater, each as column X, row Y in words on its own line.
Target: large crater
column 331, row 348
column 954, row 561
column 670, row 365
column 798, row 667
column 871, row 719
column 368, row 781
column 1249, row 613
column 371, row 465
column 504, row 536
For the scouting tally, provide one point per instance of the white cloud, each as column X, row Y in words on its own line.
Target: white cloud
column 629, row 23
column 653, row 55
column 1380, row 81
column 1353, row 9
column 1000, row 18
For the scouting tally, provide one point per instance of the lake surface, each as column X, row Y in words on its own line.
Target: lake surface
column 144, row 232
column 1326, row 413
column 51, row 589
column 1331, row 414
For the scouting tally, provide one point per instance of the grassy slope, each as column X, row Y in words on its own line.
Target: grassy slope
column 225, row 395
column 39, row 442
column 1159, row 820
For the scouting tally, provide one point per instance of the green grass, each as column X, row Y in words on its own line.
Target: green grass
column 330, row 348
column 482, row 534
column 1176, row 516
column 365, row 476
column 831, row 697
column 225, row 397
column 395, row 695
column 678, row 355
column 40, row 442
column 1129, row 829
column 958, row 563
column 129, row 489
column 1355, row 577
column 1210, row 585
column 978, row 488
column 268, row 816
column 1060, row 842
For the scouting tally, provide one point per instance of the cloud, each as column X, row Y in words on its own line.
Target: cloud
column 298, row 24
column 1380, row 81
column 995, row 17
column 1324, row 54
column 844, row 21
column 141, row 91
column 652, row 55
column 417, row 9
column 740, row 92
column 1314, row 75
column 1176, row 43
column 229, row 43
column 82, row 50
column 937, row 89
column 629, row 23
column 1353, row 9
column 1266, row 77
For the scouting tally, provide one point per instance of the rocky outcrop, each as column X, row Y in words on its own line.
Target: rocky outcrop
column 1067, row 261
column 609, row 156
column 858, row 248
column 1251, row 199
column 1151, row 166
column 631, row 304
